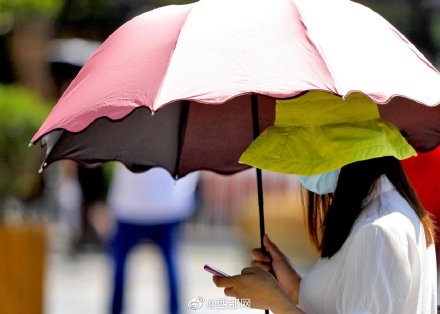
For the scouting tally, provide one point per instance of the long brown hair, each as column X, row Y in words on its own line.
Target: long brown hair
column 330, row 217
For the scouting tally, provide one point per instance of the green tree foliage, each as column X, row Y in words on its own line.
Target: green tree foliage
column 416, row 19
column 97, row 19
column 30, row 8
column 13, row 12
column 166, row 2
column 21, row 114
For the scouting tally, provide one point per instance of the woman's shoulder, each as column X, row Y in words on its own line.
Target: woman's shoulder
column 393, row 227
column 384, row 238
column 389, row 214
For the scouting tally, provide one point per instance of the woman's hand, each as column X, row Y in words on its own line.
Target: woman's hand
column 260, row 288
column 280, row 266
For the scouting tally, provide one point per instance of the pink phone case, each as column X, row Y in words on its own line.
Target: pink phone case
column 215, row 271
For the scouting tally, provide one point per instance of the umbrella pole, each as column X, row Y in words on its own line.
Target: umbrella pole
column 256, row 127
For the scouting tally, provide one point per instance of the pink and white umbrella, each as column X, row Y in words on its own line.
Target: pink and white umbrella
column 198, row 64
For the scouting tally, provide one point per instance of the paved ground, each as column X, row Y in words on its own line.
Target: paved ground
column 81, row 285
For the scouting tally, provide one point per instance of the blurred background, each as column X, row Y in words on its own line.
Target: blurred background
column 57, row 229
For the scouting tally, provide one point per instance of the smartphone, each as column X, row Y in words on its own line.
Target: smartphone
column 214, row 271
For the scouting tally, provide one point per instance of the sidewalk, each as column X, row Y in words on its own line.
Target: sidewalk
column 81, row 285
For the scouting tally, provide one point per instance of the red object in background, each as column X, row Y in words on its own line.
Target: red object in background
column 424, row 174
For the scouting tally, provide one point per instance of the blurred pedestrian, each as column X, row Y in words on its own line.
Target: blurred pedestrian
column 150, row 205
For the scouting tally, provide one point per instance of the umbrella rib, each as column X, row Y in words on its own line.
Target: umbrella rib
column 181, row 134
column 319, row 51
column 159, row 91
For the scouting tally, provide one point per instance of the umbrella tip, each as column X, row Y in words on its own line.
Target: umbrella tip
column 30, row 144
column 152, row 113
column 44, row 165
column 343, row 98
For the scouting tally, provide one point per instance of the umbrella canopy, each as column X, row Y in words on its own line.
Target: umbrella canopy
column 183, row 61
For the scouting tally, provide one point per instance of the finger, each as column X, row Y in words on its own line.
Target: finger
column 264, row 266
column 248, row 270
column 225, row 281
column 258, row 255
column 271, row 247
column 229, row 292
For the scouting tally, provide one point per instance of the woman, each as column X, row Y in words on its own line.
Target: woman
column 377, row 253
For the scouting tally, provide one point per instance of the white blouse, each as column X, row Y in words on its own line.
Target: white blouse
column 384, row 266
